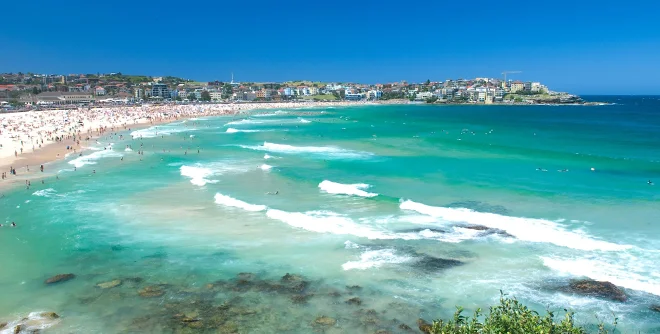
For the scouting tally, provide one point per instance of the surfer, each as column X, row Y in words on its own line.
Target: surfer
column 13, row 224
column 649, row 182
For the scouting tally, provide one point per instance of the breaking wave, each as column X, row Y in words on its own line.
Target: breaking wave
column 235, row 203
column 526, row 229
column 326, row 151
column 91, row 159
column 232, row 130
column 375, row 259
column 346, row 189
column 198, row 175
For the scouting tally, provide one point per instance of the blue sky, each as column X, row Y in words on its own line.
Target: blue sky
column 585, row 47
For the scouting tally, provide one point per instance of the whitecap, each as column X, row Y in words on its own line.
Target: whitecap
column 156, row 131
column 232, row 130
column 346, row 189
column 128, row 149
column 266, row 156
column 243, row 121
column 265, row 167
column 375, row 259
column 620, row 273
column 302, row 120
column 198, row 175
column 49, row 192
column 526, row 229
column 328, row 222
column 91, row 159
column 350, row 245
column 325, row 151
column 34, row 322
column 235, row 203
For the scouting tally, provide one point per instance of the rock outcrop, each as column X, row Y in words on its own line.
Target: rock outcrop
column 60, row 278
column 598, row 289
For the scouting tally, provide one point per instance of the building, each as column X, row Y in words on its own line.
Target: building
column 99, row 91
column 374, row 94
column 263, row 94
column 139, row 94
column 353, row 96
column 216, row 95
column 424, row 95
column 60, row 98
column 517, row 86
column 528, row 86
column 160, row 90
column 536, row 87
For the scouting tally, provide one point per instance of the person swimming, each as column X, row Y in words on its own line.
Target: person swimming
column 649, row 182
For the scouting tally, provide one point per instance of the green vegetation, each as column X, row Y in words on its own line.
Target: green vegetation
column 510, row 316
column 206, row 96
column 319, row 97
column 191, row 97
column 432, row 99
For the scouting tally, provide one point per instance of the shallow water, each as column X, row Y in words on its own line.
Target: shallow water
column 381, row 197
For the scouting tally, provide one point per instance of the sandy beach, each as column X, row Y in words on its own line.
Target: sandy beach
column 31, row 139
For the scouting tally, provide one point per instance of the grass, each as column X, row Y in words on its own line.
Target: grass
column 320, row 97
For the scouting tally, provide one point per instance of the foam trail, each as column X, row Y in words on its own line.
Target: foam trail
column 157, row 131
column 527, row 229
column 618, row 272
column 375, row 259
column 266, row 156
column 327, row 222
column 198, row 175
column 302, row 120
column 327, row 151
column 243, row 121
column 346, row 189
column 128, row 149
column 33, row 323
column 232, row 130
column 232, row 202
column 44, row 192
column 91, row 159
column 265, row 167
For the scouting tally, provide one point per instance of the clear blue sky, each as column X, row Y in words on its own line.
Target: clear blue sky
column 585, row 47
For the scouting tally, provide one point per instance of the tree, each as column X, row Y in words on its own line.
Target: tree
column 432, row 99
column 227, row 91
column 191, row 96
column 206, row 96
column 428, row 82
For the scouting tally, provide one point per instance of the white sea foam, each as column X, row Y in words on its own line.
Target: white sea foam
column 198, row 175
column 156, row 131
column 350, row 245
column 266, row 156
column 34, row 322
column 265, row 167
column 346, row 189
column 128, row 149
column 49, row 192
column 243, row 122
column 527, row 229
column 326, row 222
column 621, row 273
column 232, row 130
column 326, row 151
column 302, row 120
column 91, row 159
column 266, row 115
column 375, row 259
column 235, row 203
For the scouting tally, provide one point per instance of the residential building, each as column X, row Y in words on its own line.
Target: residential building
column 528, row 86
column 139, row 93
column 160, row 90
column 99, row 91
column 313, row 91
column 353, row 96
column 423, row 95
column 374, row 94
column 60, row 98
column 535, row 87
column 517, row 86
column 216, row 95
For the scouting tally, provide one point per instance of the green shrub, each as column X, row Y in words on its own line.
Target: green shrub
column 512, row 317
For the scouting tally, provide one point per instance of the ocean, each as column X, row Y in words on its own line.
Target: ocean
column 343, row 220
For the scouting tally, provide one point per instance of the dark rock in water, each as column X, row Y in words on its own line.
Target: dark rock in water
column 354, row 301
column 382, row 331
column 599, row 289
column 487, row 230
column 480, row 207
column 116, row 248
column 48, row 315
column 324, row 321
column 18, row 329
column 133, row 279
column 431, row 264
column 3, row 325
column 655, row 308
column 420, row 229
column 424, row 326
column 353, row 287
column 405, row 327
column 228, row 328
column 151, row 291
column 301, row 299
column 334, row 294
column 60, row 278
column 289, row 278
column 246, row 276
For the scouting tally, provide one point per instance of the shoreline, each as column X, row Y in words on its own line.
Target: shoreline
column 56, row 150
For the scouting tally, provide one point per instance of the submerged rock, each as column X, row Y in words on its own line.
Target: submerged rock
column 420, row 229
column 325, row 321
column 353, row 287
column 599, row 289
column 424, row 326
column 49, row 315
column 354, row 301
column 33, row 323
column 3, row 325
column 480, row 207
column 109, row 285
column 405, row 327
column 431, row 264
column 655, row 308
column 151, row 291
column 301, row 299
column 487, row 230
column 60, row 278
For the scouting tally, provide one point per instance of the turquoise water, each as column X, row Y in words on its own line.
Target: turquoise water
column 375, row 196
